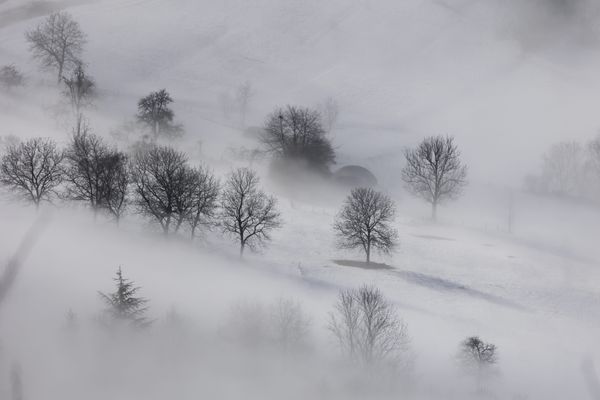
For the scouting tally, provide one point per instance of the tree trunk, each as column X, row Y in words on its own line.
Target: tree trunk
column 434, row 210
column 242, row 245
column 369, row 253
column 166, row 226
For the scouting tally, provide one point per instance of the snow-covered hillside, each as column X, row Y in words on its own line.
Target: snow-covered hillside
column 506, row 79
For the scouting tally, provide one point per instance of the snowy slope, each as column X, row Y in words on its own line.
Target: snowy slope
column 400, row 70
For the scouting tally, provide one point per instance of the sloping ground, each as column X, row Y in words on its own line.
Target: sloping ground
column 399, row 70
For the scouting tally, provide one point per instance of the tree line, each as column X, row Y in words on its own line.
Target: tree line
column 156, row 182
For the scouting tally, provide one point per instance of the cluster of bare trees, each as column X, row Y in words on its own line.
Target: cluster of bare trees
column 172, row 193
column 569, row 169
column 156, row 181
column 433, row 171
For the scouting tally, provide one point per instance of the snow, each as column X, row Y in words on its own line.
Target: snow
column 400, row 70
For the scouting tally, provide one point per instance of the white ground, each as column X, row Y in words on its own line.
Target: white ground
column 399, row 71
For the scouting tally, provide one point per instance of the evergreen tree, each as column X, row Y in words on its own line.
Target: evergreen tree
column 124, row 305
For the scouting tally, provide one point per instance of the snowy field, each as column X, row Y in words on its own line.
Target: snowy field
column 504, row 78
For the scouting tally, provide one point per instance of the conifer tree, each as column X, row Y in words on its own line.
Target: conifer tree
column 124, row 305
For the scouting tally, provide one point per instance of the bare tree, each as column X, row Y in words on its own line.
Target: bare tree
column 162, row 183
column 33, row 170
column 434, row 171
column 204, row 196
column 80, row 89
column 364, row 222
column 11, row 77
column 295, row 133
column 155, row 113
column 367, row 328
column 247, row 213
column 57, row 42
column 96, row 173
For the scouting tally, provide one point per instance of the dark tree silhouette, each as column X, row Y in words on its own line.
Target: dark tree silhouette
column 33, row 170
column 162, row 184
column 115, row 184
column 123, row 305
column 364, row 222
column 476, row 352
column 80, row 89
column 57, row 42
column 367, row 327
column 155, row 113
column 434, row 171
column 247, row 213
column 96, row 174
column 295, row 133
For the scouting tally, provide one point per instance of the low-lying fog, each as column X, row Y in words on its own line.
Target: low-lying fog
column 513, row 260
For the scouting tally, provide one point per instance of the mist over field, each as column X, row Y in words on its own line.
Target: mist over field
column 299, row 199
